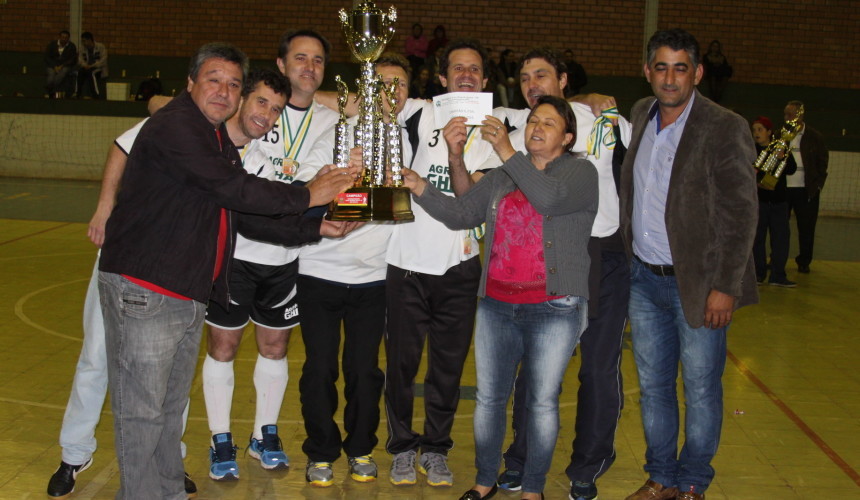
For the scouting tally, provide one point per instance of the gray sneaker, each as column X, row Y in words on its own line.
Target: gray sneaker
column 319, row 474
column 363, row 469
column 435, row 467
column 403, row 468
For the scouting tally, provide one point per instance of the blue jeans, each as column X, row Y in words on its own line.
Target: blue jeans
column 541, row 336
column 152, row 343
column 662, row 338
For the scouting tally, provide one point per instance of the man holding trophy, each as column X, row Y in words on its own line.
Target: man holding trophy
column 342, row 281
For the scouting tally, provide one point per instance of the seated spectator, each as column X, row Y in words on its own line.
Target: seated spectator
column 717, row 70
column 423, row 87
column 61, row 55
column 439, row 40
column 576, row 76
column 93, row 68
column 147, row 89
column 416, row 48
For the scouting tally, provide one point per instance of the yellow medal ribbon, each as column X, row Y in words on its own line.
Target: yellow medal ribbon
column 602, row 132
column 479, row 231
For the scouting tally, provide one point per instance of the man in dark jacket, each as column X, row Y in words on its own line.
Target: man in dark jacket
column 805, row 185
column 688, row 205
column 61, row 56
column 168, row 247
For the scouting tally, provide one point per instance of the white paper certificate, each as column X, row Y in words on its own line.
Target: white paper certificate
column 475, row 106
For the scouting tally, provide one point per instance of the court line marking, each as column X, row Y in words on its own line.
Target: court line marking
column 13, row 240
column 19, row 310
column 794, row 417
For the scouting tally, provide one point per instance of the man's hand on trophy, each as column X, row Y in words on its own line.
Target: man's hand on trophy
column 413, row 181
column 338, row 228
column 455, row 134
column 329, row 182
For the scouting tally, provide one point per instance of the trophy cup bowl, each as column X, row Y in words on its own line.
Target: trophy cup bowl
column 367, row 30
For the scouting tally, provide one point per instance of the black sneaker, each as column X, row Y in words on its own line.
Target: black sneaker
column 582, row 491
column 62, row 483
column 190, row 487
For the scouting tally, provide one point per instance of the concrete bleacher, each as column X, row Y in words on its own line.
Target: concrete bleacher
column 81, row 130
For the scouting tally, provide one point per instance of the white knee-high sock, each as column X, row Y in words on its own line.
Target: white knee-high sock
column 218, row 383
column 270, row 380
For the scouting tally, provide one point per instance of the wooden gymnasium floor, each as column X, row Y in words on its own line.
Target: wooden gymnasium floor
column 792, row 386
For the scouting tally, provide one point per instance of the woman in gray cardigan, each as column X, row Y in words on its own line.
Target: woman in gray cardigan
column 538, row 211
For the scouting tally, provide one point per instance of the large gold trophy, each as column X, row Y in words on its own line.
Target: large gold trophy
column 379, row 193
column 772, row 159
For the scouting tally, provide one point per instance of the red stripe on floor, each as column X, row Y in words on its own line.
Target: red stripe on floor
column 811, row 434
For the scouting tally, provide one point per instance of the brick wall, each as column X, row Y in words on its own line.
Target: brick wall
column 797, row 42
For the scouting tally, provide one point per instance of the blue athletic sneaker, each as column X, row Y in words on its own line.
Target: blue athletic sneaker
column 222, row 458
column 269, row 451
column 511, row 480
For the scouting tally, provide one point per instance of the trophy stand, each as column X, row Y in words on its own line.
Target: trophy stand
column 379, row 193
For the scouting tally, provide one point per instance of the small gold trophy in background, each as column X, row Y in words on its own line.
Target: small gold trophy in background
column 772, row 159
column 379, row 193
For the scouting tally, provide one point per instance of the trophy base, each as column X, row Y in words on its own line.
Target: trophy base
column 768, row 182
column 372, row 203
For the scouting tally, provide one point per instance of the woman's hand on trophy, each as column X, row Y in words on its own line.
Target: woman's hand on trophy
column 329, row 182
column 495, row 132
column 413, row 181
column 455, row 134
column 355, row 157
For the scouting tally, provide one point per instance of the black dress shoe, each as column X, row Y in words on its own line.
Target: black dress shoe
column 62, row 483
column 190, row 487
column 474, row 495
column 803, row 268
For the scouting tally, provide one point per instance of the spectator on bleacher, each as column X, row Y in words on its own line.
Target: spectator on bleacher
column 717, row 70
column 495, row 79
column 61, row 55
column 439, row 40
column 576, row 76
column 509, row 75
column 92, row 60
column 416, row 48
column 147, row 89
column 424, row 87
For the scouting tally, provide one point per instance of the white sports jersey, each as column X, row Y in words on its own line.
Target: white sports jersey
column 426, row 245
column 359, row 257
column 606, row 221
column 126, row 140
column 290, row 140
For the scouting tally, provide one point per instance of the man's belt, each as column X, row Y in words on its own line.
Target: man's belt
column 658, row 270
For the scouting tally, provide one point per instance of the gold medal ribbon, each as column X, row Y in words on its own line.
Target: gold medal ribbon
column 297, row 140
column 602, row 132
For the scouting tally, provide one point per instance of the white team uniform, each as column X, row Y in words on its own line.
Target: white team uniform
column 426, row 245
column 607, row 220
column 293, row 137
column 358, row 257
